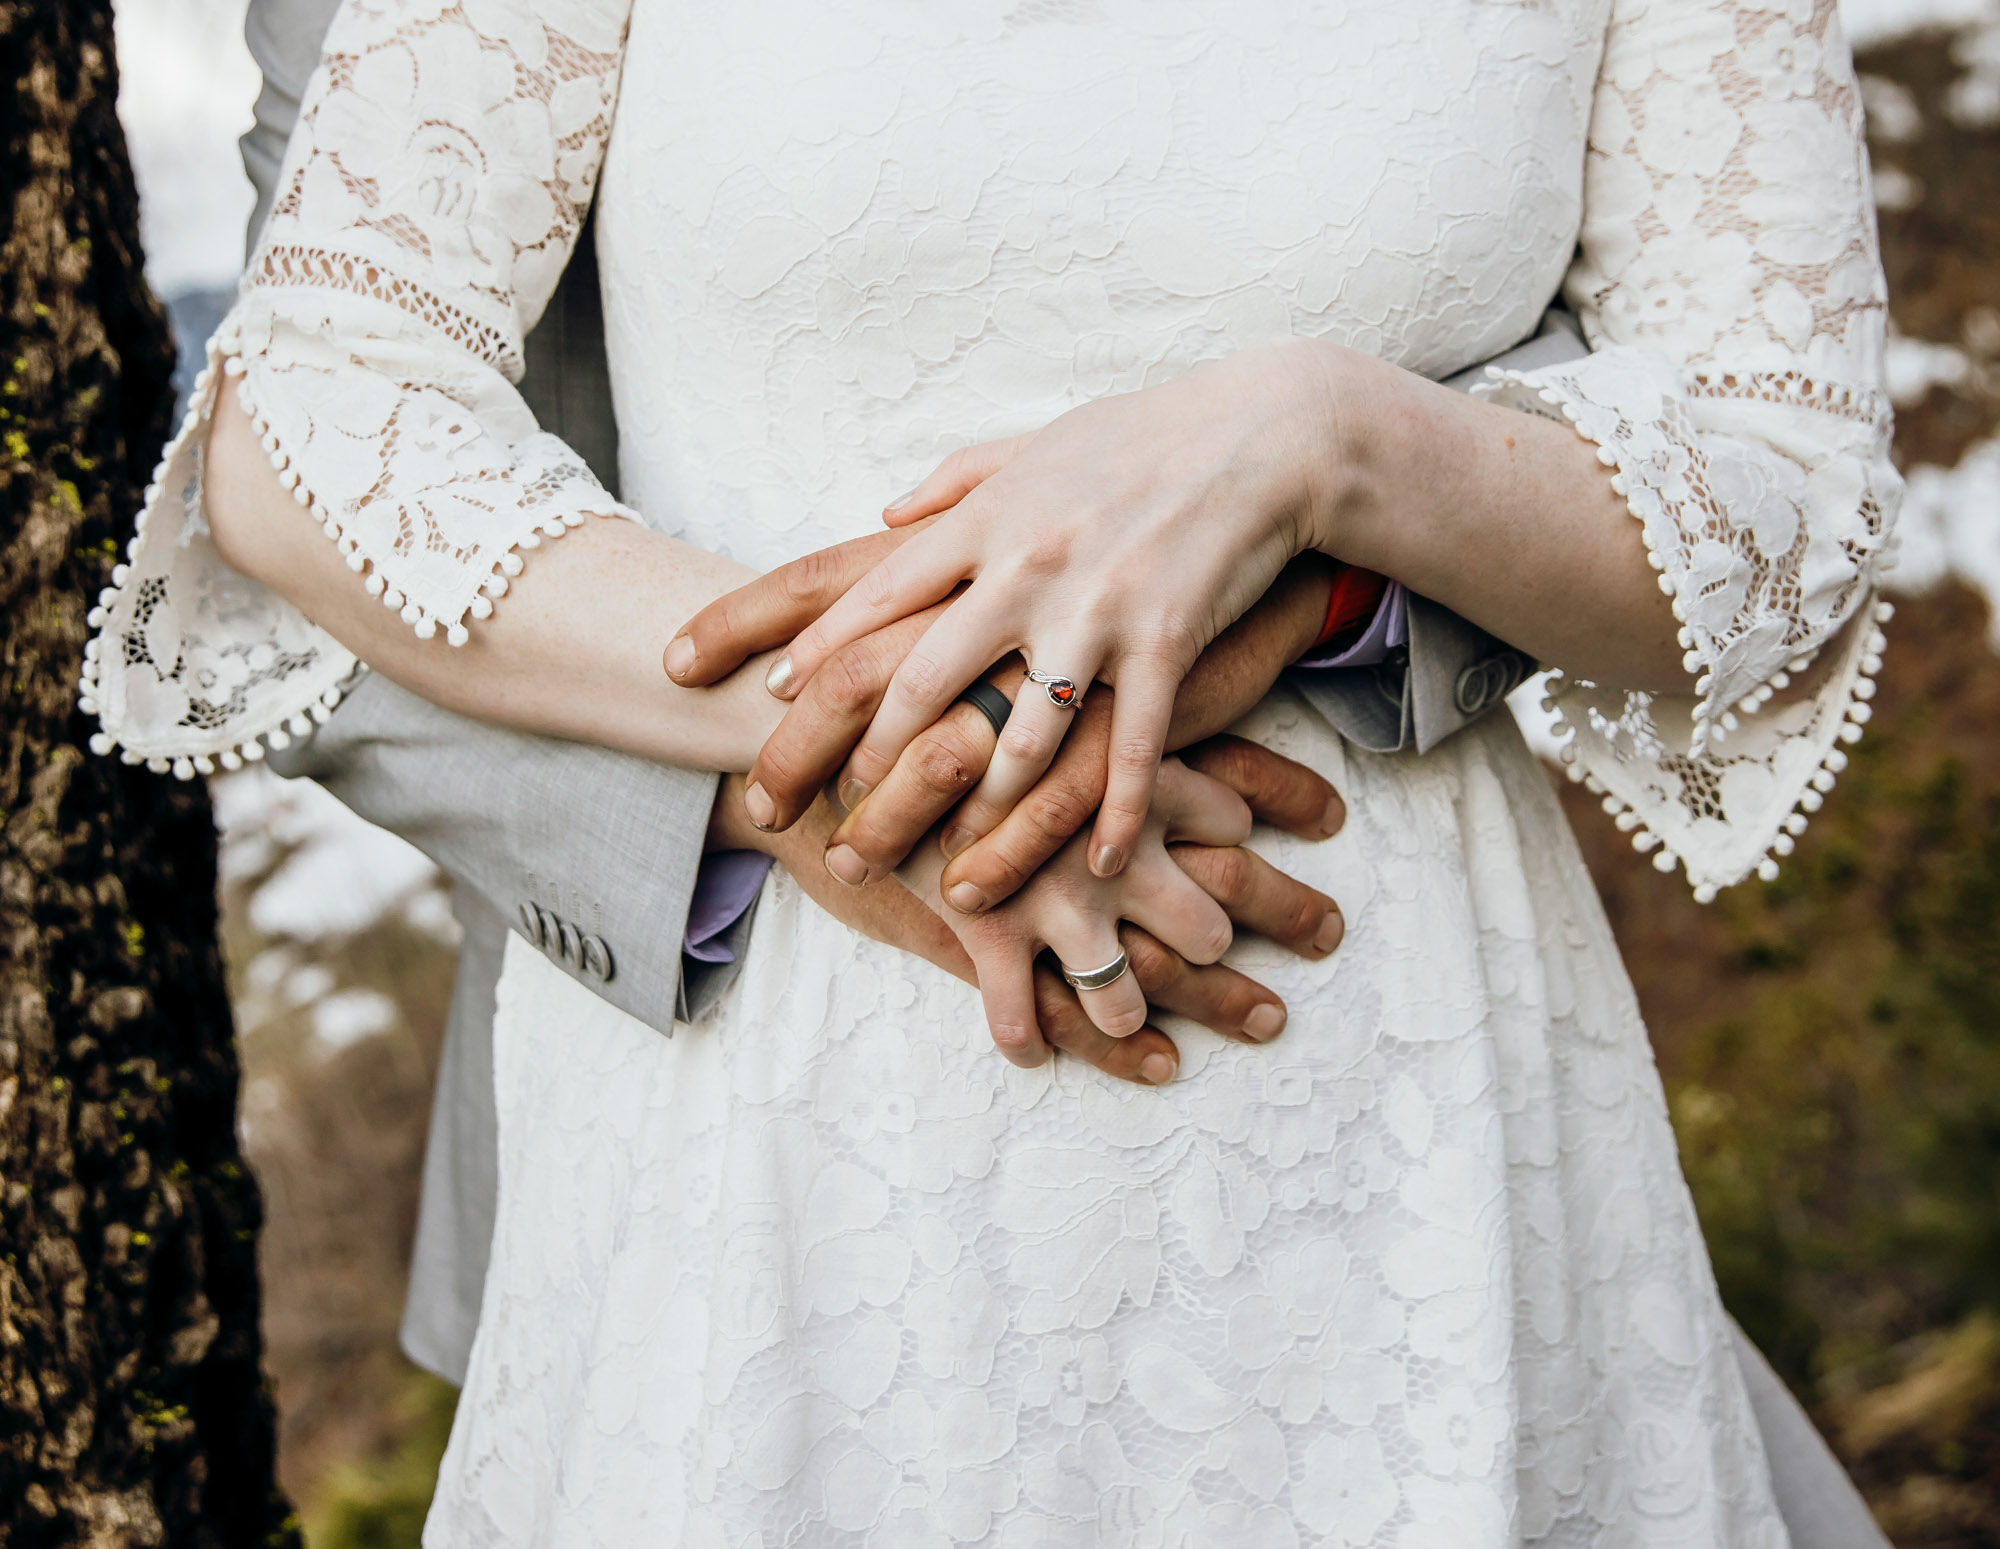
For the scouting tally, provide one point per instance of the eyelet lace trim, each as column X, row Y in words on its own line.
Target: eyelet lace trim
column 1856, row 711
column 1742, row 655
column 287, row 266
column 210, row 682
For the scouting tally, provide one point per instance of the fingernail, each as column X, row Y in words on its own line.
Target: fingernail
column 779, row 679
column 965, row 898
column 1331, row 819
column 901, row 500
column 1265, row 1022
column 954, row 841
column 678, row 658
column 845, row 866
column 1156, row 1070
column 1331, row 929
column 852, row 793
column 763, row 812
column 1108, row 860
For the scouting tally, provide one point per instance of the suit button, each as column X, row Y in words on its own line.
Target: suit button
column 1486, row 683
column 1474, row 689
column 596, row 959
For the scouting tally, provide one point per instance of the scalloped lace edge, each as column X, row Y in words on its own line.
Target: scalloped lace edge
column 316, row 700
column 1712, row 725
column 1855, row 714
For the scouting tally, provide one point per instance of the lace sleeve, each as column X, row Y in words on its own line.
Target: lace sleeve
column 1729, row 282
column 439, row 174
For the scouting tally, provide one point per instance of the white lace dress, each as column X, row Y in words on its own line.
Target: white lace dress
column 822, row 1269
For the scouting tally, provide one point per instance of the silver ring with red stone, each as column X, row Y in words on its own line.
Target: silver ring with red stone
column 1063, row 692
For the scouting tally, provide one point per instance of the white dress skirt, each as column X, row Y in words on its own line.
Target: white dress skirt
column 823, row 1269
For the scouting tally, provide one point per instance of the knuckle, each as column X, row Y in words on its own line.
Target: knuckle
column 878, row 586
column 1125, row 1019
column 1214, row 939
column 1154, row 964
column 1045, row 552
column 1025, row 741
column 778, row 768
column 1001, row 873
column 1228, row 759
column 1015, row 1037
column 1056, row 811
column 1133, row 755
column 1159, row 643
column 1226, row 875
column 942, row 766
column 920, row 679
column 847, row 684
column 806, row 580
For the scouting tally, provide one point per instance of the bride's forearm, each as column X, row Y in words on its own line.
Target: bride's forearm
column 1506, row 518
column 573, row 651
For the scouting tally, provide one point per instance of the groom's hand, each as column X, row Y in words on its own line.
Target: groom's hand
column 1217, row 997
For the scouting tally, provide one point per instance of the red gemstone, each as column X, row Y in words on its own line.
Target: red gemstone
column 1062, row 693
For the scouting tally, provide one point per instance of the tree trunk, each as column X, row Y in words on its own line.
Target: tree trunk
column 132, row 1407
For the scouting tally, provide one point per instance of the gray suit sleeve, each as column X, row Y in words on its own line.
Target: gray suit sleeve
column 1451, row 673
column 588, row 853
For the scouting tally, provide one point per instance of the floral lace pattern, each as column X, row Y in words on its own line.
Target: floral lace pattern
column 443, row 162
column 1730, row 282
column 821, row 1269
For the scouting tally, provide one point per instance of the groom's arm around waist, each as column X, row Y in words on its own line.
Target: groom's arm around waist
column 589, row 854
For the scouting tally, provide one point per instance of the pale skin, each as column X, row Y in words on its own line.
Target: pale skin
column 575, row 652
column 1116, row 542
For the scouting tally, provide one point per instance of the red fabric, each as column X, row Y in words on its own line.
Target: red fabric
column 1356, row 595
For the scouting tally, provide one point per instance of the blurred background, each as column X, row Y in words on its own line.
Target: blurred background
column 1830, row 1041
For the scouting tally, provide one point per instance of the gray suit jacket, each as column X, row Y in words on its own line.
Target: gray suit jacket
column 592, row 854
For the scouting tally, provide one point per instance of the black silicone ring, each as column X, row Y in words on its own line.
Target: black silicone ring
column 989, row 702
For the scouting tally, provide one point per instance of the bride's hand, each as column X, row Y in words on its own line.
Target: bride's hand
column 938, row 770
column 1114, row 544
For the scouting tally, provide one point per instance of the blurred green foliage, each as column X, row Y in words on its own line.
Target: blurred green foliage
column 1832, row 1061
column 381, row 1504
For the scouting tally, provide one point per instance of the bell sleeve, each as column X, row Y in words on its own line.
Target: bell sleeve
column 1729, row 281
column 440, row 172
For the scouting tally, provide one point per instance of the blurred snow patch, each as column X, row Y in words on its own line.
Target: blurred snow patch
column 1973, row 100
column 343, row 874
column 1896, row 189
column 1879, row 21
column 1915, row 366
column 351, row 1016
column 1950, row 529
column 186, row 87
column 1892, row 109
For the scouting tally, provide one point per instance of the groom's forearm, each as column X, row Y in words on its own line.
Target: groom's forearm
column 590, row 854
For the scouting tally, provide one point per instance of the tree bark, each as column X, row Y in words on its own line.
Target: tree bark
column 132, row 1406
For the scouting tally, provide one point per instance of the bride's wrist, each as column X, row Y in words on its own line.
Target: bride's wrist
column 1360, row 409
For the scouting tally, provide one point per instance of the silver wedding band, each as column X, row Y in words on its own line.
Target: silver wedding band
column 1063, row 692
column 1098, row 978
